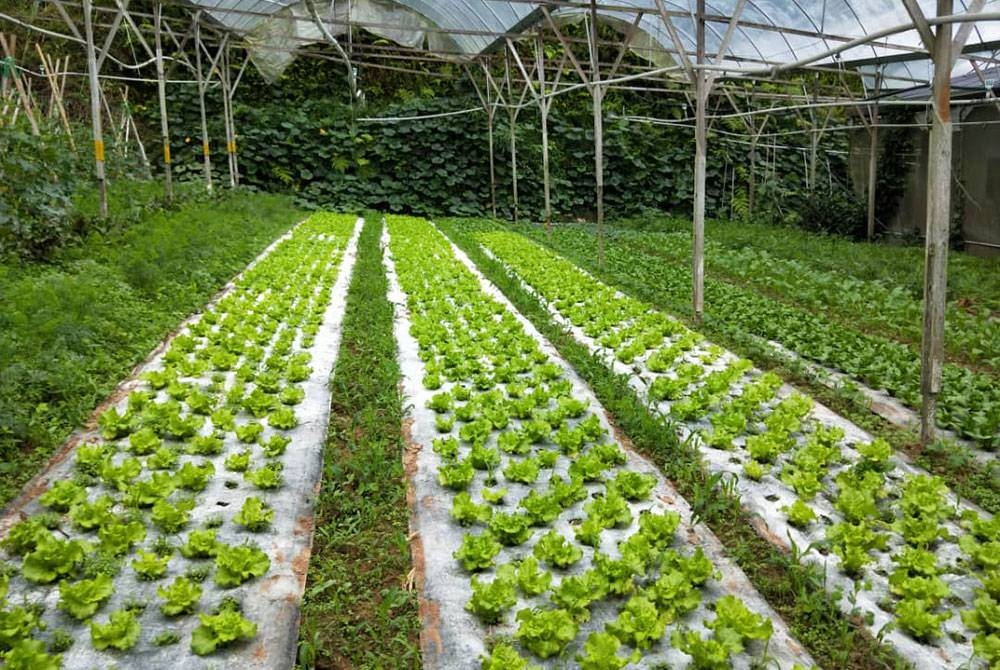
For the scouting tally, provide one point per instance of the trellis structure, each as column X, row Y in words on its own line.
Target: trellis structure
column 701, row 45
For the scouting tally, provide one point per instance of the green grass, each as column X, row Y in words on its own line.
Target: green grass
column 70, row 331
column 358, row 612
column 795, row 591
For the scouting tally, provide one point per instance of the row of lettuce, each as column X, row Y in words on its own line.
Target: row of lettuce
column 886, row 523
column 130, row 544
column 969, row 402
column 564, row 535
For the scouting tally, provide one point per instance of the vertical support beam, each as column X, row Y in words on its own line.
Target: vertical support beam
column 205, row 152
column 543, row 105
column 161, row 84
column 938, row 220
column 490, row 117
column 95, row 108
column 512, row 126
column 226, row 104
column 700, row 161
column 873, row 160
column 597, row 96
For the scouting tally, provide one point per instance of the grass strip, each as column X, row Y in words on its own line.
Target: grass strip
column 70, row 331
column 795, row 591
column 357, row 611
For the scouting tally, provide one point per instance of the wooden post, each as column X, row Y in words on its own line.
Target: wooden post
column 543, row 108
column 700, row 160
column 10, row 49
column 597, row 96
column 161, row 85
column 95, row 109
column 938, row 220
column 490, row 114
column 512, row 121
column 205, row 151
column 226, row 100
column 55, row 102
column 873, row 160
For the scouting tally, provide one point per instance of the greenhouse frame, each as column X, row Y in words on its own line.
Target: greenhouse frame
column 568, row 424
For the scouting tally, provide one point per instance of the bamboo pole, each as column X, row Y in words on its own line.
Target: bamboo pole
column 873, row 161
column 205, row 151
column 161, row 85
column 56, row 102
column 10, row 49
column 226, row 104
column 512, row 126
column 95, row 108
column 597, row 99
column 543, row 105
column 938, row 220
column 700, row 160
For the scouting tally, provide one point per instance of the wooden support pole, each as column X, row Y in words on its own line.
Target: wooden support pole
column 490, row 118
column 95, row 109
column 938, row 220
column 873, row 160
column 543, row 108
column 226, row 101
column 512, row 127
column 597, row 97
column 205, row 151
column 161, row 85
column 700, row 161
column 52, row 73
column 10, row 49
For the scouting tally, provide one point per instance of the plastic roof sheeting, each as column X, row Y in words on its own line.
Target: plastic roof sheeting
column 769, row 32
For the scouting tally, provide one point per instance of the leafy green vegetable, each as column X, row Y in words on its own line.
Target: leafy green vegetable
column 601, row 653
column 639, row 624
column 531, row 579
column 237, row 564
column 254, row 515
column 510, row 529
column 121, row 632
column 82, row 599
column 149, row 566
column 467, row 513
column 52, row 558
column 545, row 632
column 180, row 597
column 491, row 599
column 477, row 551
column 554, row 549
column 220, row 630
column 505, row 657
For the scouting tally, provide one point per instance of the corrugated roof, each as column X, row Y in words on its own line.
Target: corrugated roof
column 768, row 32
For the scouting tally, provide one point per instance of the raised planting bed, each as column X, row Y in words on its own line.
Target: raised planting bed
column 540, row 539
column 969, row 402
column 898, row 548
column 176, row 531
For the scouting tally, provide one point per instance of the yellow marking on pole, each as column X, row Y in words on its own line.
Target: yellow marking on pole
column 166, row 152
column 99, row 150
column 204, row 149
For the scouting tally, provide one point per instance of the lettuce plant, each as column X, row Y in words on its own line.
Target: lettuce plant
column 82, row 599
column 179, row 597
column 237, row 564
column 545, row 632
column 121, row 632
column 221, row 629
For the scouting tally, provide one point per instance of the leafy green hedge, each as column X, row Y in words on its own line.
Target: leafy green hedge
column 314, row 149
column 69, row 332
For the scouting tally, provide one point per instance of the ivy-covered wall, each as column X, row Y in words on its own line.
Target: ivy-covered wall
column 301, row 135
